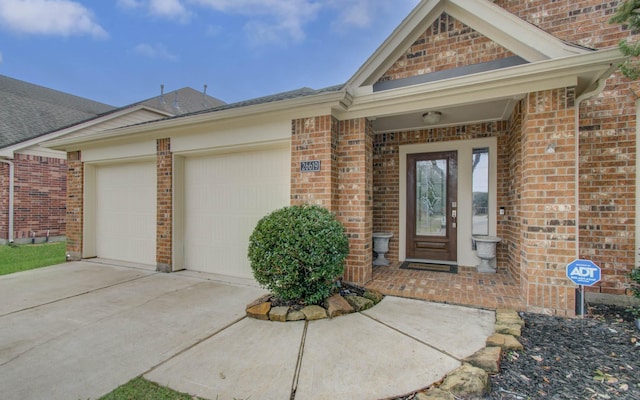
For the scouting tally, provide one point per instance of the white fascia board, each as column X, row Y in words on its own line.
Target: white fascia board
column 50, row 139
column 299, row 107
column 500, row 83
column 518, row 36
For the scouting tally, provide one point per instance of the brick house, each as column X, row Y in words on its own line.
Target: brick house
column 494, row 118
column 33, row 178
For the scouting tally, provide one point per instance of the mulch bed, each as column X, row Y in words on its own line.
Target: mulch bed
column 596, row 357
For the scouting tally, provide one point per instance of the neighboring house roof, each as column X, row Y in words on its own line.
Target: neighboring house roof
column 29, row 111
column 181, row 101
column 32, row 114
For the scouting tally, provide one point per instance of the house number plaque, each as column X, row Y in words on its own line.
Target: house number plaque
column 310, row 166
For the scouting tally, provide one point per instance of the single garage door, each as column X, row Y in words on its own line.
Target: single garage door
column 225, row 196
column 126, row 212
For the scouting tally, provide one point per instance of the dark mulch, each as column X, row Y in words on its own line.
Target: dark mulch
column 596, row 357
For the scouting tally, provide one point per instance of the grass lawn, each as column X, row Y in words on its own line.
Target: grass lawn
column 30, row 256
column 142, row 389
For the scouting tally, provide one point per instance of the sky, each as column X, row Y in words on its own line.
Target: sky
column 120, row 51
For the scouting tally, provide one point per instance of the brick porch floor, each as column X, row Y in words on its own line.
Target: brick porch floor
column 467, row 287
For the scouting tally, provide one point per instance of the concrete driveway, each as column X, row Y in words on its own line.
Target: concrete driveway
column 79, row 330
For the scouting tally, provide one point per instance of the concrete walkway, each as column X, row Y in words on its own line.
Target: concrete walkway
column 79, row 330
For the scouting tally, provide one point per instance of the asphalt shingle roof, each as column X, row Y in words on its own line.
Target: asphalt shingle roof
column 28, row 111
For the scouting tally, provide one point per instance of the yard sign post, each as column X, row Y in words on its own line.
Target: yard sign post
column 583, row 273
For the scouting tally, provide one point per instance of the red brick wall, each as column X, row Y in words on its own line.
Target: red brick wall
column 607, row 138
column 446, row 44
column 164, row 212
column 355, row 210
column 315, row 139
column 40, row 190
column 75, row 204
column 4, row 201
column 548, row 201
column 509, row 193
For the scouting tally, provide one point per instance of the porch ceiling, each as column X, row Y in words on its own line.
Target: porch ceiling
column 461, row 114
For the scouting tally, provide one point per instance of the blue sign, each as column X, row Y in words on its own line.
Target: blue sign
column 583, row 272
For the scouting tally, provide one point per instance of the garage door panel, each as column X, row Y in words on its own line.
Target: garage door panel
column 126, row 212
column 225, row 196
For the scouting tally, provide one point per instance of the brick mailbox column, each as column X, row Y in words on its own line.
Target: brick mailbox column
column 164, row 207
column 75, row 205
column 548, row 201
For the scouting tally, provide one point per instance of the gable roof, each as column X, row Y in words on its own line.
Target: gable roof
column 520, row 37
column 28, row 111
column 469, row 94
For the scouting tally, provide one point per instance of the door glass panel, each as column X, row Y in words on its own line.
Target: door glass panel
column 480, row 191
column 431, row 197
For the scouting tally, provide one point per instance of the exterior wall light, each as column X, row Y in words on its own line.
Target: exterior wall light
column 431, row 117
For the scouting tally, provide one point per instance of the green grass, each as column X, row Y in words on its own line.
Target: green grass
column 29, row 256
column 142, row 389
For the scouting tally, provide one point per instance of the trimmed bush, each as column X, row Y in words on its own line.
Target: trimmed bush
column 298, row 252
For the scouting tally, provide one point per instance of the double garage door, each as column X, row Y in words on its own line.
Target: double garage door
column 223, row 197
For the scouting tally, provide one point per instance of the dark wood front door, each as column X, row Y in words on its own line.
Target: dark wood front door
column 432, row 206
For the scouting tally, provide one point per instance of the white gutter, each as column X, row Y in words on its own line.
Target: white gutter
column 10, row 217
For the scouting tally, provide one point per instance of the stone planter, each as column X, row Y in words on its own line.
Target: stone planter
column 486, row 251
column 381, row 247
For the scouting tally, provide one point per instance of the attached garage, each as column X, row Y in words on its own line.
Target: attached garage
column 125, row 212
column 225, row 195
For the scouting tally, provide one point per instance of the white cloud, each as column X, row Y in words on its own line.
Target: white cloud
column 270, row 20
column 169, row 8
column 157, row 50
column 130, row 3
column 49, row 17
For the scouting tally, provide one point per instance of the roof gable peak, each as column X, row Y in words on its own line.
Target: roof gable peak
column 516, row 35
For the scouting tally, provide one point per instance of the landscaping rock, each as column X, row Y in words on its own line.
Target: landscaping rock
column 508, row 316
column 435, row 394
column 262, row 299
column 295, row 315
column 359, row 303
column 260, row 311
column 506, row 342
column 314, row 312
column 512, row 329
column 373, row 295
column 467, row 382
column 488, row 359
column 337, row 305
column 279, row 314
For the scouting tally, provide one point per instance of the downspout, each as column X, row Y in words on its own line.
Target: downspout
column 599, row 86
column 11, row 179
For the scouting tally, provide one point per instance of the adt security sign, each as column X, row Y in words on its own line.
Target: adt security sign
column 583, row 272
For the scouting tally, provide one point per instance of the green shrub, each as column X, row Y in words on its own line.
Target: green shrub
column 298, row 252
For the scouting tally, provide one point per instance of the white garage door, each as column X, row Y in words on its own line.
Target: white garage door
column 126, row 212
column 225, row 196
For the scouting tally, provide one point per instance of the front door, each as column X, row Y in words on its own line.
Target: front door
column 432, row 206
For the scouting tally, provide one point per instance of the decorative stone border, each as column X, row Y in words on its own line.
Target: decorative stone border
column 334, row 306
column 471, row 380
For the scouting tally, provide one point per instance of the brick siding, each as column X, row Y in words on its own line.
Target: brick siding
column 40, row 191
column 164, row 205
column 315, row 139
column 75, row 204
